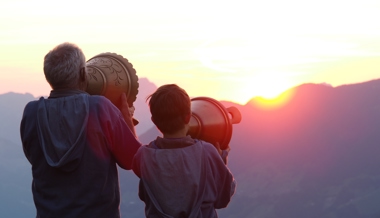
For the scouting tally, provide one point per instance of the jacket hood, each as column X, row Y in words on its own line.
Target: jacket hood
column 61, row 128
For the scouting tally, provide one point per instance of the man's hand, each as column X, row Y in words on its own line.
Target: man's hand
column 127, row 112
column 124, row 107
column 131, row 110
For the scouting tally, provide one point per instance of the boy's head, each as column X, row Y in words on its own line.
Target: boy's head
column 170, row 107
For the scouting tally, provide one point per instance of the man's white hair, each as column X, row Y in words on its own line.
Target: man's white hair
column 62, row 66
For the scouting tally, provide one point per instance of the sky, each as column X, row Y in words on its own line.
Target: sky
column 227, row 50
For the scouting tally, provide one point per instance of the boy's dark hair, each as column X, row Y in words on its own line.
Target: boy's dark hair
column 169, row 106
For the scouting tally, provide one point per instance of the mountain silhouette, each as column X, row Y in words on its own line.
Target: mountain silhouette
column 141, row 106
column 315, row 156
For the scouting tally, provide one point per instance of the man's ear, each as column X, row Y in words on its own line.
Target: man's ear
column 83, row 74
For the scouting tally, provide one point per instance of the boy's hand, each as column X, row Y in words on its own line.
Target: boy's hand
column 217, row 146
column 223, row 153
column 228, row 149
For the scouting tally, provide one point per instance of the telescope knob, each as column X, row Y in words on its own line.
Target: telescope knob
column 235, row 114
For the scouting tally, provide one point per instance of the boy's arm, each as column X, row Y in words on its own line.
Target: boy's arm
column 224, row 180
column 226, row 187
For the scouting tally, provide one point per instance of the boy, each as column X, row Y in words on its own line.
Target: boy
column 180, row 176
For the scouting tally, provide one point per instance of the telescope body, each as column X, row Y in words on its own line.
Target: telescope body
column 110, row 75
column 211, row 121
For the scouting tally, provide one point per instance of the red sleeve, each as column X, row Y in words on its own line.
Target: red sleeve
column 122, row 143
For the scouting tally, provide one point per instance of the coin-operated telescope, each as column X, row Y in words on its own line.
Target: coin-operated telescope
column 110, row 75
column 211, row 121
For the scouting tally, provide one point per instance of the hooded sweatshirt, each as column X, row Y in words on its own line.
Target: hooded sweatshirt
column 181, row 178
column 73, row 142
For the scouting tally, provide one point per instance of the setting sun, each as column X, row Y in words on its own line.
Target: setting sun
column 268, row 85
column 275, row 102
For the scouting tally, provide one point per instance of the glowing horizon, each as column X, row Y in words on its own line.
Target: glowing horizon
column 225, row 51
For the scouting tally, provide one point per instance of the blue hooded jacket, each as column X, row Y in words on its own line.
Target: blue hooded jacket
column 74, row 142
column 182, row 177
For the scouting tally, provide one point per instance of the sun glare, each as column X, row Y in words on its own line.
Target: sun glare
column 267, row 86
column 270, row 87
column 273, row 103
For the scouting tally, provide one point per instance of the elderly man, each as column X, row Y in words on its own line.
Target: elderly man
column 75, row 141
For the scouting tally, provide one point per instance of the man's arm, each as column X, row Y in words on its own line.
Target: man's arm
column 121, row 134
column 124, row 143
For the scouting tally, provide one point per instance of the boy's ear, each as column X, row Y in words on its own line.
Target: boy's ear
column 187, row 118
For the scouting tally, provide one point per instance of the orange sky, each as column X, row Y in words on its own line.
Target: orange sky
column 231, row 50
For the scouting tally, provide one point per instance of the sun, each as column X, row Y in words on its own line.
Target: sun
column 273, row 103
column 260, row 68
column 267, row 86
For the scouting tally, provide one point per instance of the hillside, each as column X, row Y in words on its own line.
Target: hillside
column 317, row 156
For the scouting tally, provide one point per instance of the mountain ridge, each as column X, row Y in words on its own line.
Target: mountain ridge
column 316, row 156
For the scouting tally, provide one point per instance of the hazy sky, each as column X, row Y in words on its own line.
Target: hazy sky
column 228, row 50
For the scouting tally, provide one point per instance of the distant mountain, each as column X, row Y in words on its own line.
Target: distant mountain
column 317, row 156
column 15, row 180
column 11, row 108
column 141, row 106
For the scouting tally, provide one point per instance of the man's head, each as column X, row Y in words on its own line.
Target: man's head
column 170, row 107
column 65, row 67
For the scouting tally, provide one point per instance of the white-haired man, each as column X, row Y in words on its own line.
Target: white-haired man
column 75, row 141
